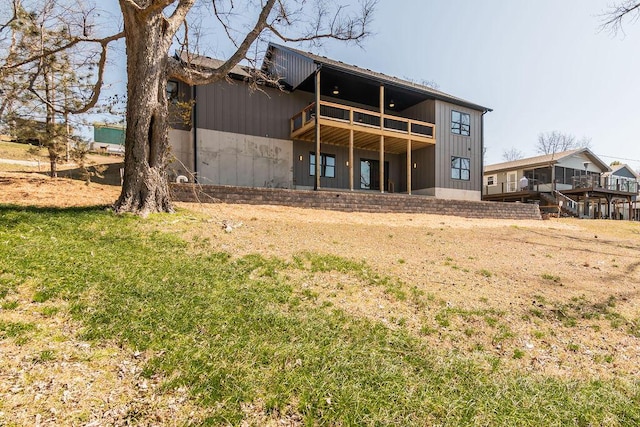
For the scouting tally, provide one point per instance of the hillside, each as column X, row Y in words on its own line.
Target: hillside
column 259, row 315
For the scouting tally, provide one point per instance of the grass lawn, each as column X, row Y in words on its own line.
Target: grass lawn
column 246, row 341
column 14, row 150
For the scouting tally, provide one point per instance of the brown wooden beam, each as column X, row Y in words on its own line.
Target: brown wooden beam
column 382, row 180
column 351, row 160
column 318, row 154
column 409, row 166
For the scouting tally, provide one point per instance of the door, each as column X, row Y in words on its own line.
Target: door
column 370, row 174
column 512, row 181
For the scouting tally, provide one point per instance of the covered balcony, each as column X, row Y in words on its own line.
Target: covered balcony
column 364, row 115
column 336, row 121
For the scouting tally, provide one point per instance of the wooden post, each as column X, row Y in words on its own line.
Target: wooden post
column 351, row 155
column 318, row 155
column 382, row 163
column 381, row 139
column 409, row 166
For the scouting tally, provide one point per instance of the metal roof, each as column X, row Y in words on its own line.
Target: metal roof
column 380, row 77
column 211, row 63
column 544, row 160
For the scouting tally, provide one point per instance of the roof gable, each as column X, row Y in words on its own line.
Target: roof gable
column 295, row 66
column 624, row 170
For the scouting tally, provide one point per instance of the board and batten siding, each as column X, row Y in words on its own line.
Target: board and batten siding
column 424, row 111
column 303, row 179
column 291, row 67
column 234, row 107
column 450, row 145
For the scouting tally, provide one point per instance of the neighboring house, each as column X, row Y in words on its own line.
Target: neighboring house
column 624, row 178
column 329, row 126
column 573, row 181
column 108, row 138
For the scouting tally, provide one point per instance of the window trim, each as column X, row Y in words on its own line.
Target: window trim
column 460, row 169
column 494, row 180
column 459, row 129
column 324, row 167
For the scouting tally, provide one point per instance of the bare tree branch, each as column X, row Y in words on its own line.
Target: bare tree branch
column 178, row 16
column 72, row 42
column 512, row 154
column 613, row 18
column 557, row 142
column 197, row 77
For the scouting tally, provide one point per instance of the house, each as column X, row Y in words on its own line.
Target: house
column 108, row 138
column 329, row 125
column 575, row 182
column 622, row 177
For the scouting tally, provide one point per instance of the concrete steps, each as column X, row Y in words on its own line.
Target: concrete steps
column 353, row 201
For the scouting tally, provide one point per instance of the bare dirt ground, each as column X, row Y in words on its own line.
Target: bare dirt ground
column 557, row 298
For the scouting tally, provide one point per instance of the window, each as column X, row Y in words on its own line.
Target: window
column 327, row 165
column 460, row 123
column 172, row 91
column 460, row 168
column 491, row 180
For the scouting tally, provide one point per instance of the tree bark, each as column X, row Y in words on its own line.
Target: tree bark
column 145, row 186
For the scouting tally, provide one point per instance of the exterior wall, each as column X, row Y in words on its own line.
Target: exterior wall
column 501, row 185
column 423, row 175
column 243, row 160
column 108, row 134
column 449, row 144
column 233, row 107
column 302, row 178
column 181, row 142
column 290, row 66
column 624, row 173
column 577, row 162
column 449, row 193
column 424, row 111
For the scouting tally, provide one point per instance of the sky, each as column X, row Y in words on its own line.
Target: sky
column 540, row 65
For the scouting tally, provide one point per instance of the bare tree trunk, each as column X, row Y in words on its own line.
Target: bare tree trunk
column 53, row 162
column 145, row 186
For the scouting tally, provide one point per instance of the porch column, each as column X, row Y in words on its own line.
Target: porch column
column 381, row 139
column 317, row 120
column 351, row 154
column 630, row 208
column 409, row 166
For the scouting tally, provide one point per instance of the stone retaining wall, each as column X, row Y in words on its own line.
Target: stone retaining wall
column 353, row 201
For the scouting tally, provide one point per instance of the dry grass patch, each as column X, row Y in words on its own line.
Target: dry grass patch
column 300, row 315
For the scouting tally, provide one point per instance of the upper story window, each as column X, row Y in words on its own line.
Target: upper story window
column 460, row 123
column 460, row 168
column 327, row 165
column 172, row 91
column 492, row 180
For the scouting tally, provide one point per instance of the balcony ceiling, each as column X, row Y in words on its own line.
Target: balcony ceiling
column 360, row 90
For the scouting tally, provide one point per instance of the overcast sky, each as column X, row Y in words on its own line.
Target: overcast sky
column 541, row 65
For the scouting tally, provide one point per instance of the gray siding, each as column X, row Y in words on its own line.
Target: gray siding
column 301, row 175
column 233, row 107
column 290, row 67
column 449, row 144
column 424, row 111
column 624, row 172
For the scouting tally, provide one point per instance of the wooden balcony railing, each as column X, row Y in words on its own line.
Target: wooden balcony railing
column 362, row 118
